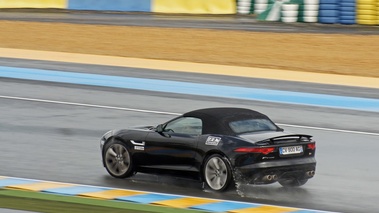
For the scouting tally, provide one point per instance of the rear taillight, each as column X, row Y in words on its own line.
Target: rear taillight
column 264, row 150
column 311, row 146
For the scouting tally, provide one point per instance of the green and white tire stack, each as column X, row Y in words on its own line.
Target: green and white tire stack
column 245, row 6
column 273, row 11
column 368, row 12
column 260, row 6
column 310, row 13
column 290, row 13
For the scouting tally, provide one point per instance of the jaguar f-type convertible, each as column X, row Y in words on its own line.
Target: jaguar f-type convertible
column 219, row 145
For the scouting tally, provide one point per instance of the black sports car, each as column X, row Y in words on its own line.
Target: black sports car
column 220, row 145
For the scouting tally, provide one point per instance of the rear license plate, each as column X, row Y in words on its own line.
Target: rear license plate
column 289, row 150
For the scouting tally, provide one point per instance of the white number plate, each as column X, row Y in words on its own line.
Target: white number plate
column 291, row 150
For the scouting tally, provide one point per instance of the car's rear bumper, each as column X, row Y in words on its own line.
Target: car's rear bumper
column 271, row 171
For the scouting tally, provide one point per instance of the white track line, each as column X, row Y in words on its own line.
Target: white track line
column 169, row 113
column 329, row 129
column 87, row 105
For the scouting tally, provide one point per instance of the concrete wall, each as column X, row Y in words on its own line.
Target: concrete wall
column 322, row 11
column 111, row 5
column 158, row 6
column 194, row 6
column 61, row 4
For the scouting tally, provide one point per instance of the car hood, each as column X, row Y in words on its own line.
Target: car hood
column 143, row 127
column 129, row 129
column 261, row 136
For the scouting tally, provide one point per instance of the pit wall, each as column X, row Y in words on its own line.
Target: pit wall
column 156, row 6
column 60, row 4
column 364, row 12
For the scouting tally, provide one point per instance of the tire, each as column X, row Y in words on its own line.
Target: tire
column 347, row 13
column 348, row 4
column 328, row 13
column 345, row 10
column 328, row 20
column 329, row 2
column 117, row 160
column 217, row 173
column 347, row 21
column 292, row 182
column 329, row 6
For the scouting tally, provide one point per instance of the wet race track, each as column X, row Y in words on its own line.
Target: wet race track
column 54, row 135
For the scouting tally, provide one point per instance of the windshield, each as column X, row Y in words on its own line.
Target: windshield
column 252, row 125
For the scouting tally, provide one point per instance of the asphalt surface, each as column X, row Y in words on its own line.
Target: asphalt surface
column 57, row 142
column 61, row 142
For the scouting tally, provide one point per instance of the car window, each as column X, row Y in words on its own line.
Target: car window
column 185, row 125
column 252, row 125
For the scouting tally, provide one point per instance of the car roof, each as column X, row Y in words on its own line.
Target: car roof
column 216, row 120
column 222, row 112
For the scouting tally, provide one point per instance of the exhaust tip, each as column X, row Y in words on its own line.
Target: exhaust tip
column 310, row 173
column 270, row 178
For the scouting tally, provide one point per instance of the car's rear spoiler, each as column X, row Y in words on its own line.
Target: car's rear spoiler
column 287, row 138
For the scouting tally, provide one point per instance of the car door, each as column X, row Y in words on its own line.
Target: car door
column 175, row 147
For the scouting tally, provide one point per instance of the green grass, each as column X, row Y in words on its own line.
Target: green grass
column 49, row 203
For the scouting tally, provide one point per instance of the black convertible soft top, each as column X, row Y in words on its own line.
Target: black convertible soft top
column 216, row 120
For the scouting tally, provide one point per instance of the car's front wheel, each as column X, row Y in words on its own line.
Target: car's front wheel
column 293, row 182
column 217, row 173
column 117, row 160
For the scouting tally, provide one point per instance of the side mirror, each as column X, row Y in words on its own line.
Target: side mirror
column 159, row 128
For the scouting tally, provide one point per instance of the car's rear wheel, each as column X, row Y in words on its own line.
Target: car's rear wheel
column 117, row 160
column 293, row 182
column 217, row 173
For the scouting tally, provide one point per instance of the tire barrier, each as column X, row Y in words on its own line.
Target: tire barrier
column 260, row 6
column 368, row 12
column 245, row 7
column 347, row 13
column 329, row 11
column 310, row 11
column 289, row 13
column 274, row 10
